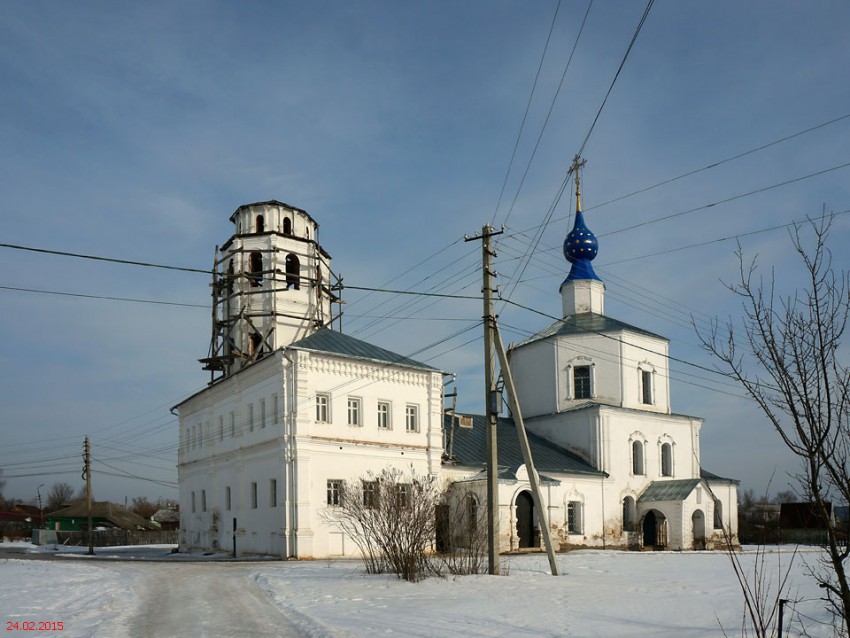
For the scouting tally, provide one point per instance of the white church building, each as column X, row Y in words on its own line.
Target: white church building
column 294, row 409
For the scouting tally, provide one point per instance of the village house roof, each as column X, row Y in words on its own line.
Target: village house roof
column 104, row 512
column 333, row 342
column 586, row 322
column 469, row 447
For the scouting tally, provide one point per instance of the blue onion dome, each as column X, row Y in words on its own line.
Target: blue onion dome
column 580, row 248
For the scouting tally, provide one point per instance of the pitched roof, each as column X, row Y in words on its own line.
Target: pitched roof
column 332, row 342
column 714, row 478
column 586, row 322
column 677, row 490
column 470, row 448
column 105, row 511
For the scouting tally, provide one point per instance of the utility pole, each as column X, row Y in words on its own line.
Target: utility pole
column 525, row 447
column 492, row 399
column 87, row 477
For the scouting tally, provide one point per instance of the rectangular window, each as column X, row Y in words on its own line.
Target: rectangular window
column 581, row 382
column 273, row 493
column 203, row 500
column 334, row 492
column 250, row 417
column 411, row 418
column 574, row 517
column 403, row 495
column 322, row 408
column 262, row 413
column 193, row 502
column 227, row 502
column 206, row 433
column 275, row 409
column 646, row 387
column 383, row 415
column 253, row 495
column 221, row 428
column 370, row 493
column 353, row 411
column 232, row 424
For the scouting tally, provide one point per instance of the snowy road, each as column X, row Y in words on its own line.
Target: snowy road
column 205, row 600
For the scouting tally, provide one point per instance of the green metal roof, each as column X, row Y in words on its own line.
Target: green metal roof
column 470, row 448
column 584, row 323
column 332, row 342
column 677, row 490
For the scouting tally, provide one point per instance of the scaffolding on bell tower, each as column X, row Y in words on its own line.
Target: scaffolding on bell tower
column 269, row 288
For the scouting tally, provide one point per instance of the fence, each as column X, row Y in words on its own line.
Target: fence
column 105, row 537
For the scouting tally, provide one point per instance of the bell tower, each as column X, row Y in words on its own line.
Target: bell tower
column 271, row 285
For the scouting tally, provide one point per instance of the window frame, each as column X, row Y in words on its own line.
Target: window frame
column 647, row 386
column 334, row 492
column 638, row 459
column 272, row 492
column 228, row 502
column 584, row 394
column 323, row 407
column 411, row 418
column 370, row 491
column 384, row 411
column 575, row 524
column 666, row 458
column 254, row 495
column 354, row 412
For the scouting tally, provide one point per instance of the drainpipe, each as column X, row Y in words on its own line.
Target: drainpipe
column 290, row 485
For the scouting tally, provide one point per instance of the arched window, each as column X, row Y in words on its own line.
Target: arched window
column 629, row 514
column 718, row 514
column 666, row 459
column 287, row 226
column 230, row 274
column 256, row 269
column 256, row 342
column 261, row 225
column 293, row 272
column 637, row 458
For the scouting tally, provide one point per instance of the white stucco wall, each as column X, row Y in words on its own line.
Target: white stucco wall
column 294, row 449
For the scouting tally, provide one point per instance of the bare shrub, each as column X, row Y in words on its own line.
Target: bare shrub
column 464, row 549
column 391, row 518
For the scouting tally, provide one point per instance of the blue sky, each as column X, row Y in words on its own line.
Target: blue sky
column 134, row 131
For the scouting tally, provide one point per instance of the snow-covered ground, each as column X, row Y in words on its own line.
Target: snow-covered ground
column 610, row 594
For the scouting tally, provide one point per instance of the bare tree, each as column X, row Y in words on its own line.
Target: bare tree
column 59, row 494
column 788, row 361
column 143, row 507
column 390, row 517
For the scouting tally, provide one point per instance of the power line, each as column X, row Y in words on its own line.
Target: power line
column 104, row 297
column 720, row 162
column 546, row 119
column 727, row 200
column 617, row 74
column 525, row 115
column 109, row 259
column 548, row 217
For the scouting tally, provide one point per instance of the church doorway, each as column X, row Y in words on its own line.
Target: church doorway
column 698, row 523
column 654, row 530
column 525, row 521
